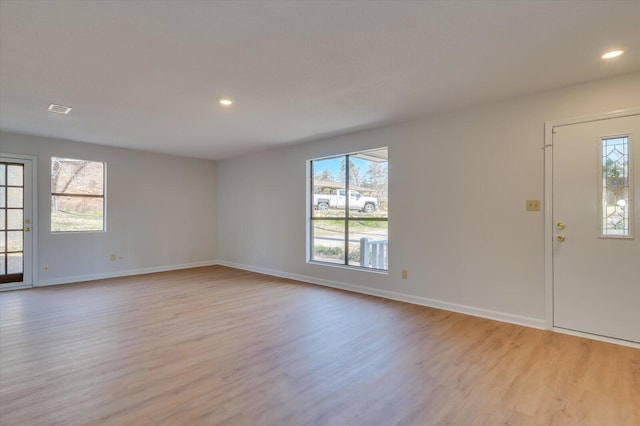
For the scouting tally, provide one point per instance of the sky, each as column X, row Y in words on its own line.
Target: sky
column 333, row 165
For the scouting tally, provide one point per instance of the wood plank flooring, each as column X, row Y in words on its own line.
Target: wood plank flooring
column 218, row 346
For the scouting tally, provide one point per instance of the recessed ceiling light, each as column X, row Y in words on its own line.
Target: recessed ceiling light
column 612, row 54
column 60, row 109
column 226, row 102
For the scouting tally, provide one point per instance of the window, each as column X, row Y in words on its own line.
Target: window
column 77, row 195
column 349, row 205
column 615, row 203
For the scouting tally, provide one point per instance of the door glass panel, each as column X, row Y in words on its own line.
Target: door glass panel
column 14, row 197
column 3, row 177
column 14, row 263
column 14, row 241
column 14, row 219
column 3, row 197
column 14, row 175
column 3, row 218
column 3, row 241
column 616, row 188
column 2, row 264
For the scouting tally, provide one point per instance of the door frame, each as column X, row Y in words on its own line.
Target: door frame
column 34, row 217
column 548, row 216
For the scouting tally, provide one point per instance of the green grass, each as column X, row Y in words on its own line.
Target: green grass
column 336, row 253
column 62, row 221
column 352, row 213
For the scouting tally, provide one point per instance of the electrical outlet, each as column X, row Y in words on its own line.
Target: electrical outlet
column 404, row 274
column 533, row 205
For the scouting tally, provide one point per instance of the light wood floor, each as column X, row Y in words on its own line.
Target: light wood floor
column 218, row 346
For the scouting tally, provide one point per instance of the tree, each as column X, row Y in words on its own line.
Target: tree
column 325, row 175
column 64, row 169
column 613, row 169
column 376, row 178
column 354, row 172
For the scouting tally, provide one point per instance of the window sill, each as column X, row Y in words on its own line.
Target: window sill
column 77, row 232
column 349, row 267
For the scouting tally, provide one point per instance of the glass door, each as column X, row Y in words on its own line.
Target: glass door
column 15, row 223
column 595, row 214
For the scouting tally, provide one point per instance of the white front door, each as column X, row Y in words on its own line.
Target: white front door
column 596, row 220
column 16, row 226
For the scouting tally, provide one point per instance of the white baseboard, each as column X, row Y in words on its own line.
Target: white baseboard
column 125, row 273
column 597, row 337
column 401, row 297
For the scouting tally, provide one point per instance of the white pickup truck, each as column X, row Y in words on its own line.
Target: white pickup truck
column 337, row 200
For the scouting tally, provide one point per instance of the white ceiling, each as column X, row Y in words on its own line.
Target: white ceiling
column 148, row 74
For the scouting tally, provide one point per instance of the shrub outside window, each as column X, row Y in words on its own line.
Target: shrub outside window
column 349, row 205
column 77, row 195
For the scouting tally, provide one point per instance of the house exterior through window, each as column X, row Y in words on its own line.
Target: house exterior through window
column 77, row 195
column 349, row 204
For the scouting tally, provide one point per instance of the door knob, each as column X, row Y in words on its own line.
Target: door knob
column 560, row 226
column 560, row 238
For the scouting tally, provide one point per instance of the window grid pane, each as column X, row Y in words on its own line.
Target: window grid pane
column 329, row 184
column 369, row 244
column 328, row 241
column 77, row 177
column 77, row 214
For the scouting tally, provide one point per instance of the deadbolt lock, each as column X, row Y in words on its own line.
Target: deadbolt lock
column 560, row 226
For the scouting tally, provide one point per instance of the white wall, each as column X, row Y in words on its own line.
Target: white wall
column 161, row 212
column 458, row 184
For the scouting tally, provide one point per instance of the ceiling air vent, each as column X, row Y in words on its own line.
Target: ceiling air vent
column 60, row 109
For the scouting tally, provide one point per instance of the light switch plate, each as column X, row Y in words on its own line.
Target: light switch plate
column 533, row 205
